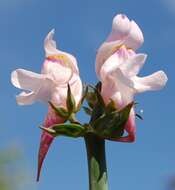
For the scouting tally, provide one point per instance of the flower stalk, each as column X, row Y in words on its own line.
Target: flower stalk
column 96, row 157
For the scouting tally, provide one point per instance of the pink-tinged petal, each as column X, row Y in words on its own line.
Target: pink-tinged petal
column 120, row 28
column 25, row 98
column 50, row 45
column 110, row 65
column 109, row 91
column 122, row 59
column 115, row 86
column 26, row 80
column 60, row 72
column 133, row 65
column 105, row 51
column 124, row 86
column 59, row 94
column 156, row 81
column 46, row 139
column 40, row 86
column 135, row 38
column 124, row 32
column 77, row 89
column 51, row 50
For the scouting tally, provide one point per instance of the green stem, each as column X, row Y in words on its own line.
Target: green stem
column 96, row 162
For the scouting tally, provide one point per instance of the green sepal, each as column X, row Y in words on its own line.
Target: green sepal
column 70, row 102
column 111, row 107
column 85, row 91
column 93, row 96
column 112, row 125
column 98, row 104
column 87, row 110
column 116, row 129
column 98, row 94
column 69, row 130
column 62, row 112
column 98, row 86
column 91, row 99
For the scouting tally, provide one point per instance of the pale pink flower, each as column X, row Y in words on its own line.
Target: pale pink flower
column 59, row 70
column 117, row 67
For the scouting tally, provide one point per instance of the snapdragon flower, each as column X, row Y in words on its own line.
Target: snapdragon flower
column 117, row 67
column 59, row 70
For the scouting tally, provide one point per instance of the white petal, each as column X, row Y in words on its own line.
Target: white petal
column 51, row 49
column 110, row 65
column 135, row 38
column 123, row 32
column 120, row 77
column 27, row 80
column 77, row 90
column 60, row 72
column 110, row 91
column 50, row 44
column 124, row 85
column 43, row 94
column 59, row 95
column 26, row 98
column 39, row 85
column 156, row 81
column 120, row 28
column 133, row 65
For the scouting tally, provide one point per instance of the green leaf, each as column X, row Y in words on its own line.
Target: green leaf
column 96, row 102
column 98, row 86
column 111, row 107
column 116, row 127
column 60, row 111
column 48, row 130
column 98, row 94
column 94, row 96
column 91, row 99
column 70, row 102
column 112, row 124
column 85, row 91
column 70, row 130
column 97, row 112
column 104, row 121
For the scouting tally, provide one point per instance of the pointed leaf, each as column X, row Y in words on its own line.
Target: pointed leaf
column 60, row 111
column 85, row 91
column 98, row 86
column 70, row 100
column 70, row 130
column 111, row 107
column 112, row 124
column 116, row 126
column 91, row 99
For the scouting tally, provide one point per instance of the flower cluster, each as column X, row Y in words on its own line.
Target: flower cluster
column 110, row 102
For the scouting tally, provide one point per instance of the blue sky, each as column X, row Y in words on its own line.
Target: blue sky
column 81, row 26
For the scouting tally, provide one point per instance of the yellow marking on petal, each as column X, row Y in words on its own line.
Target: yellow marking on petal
column 114, row 49
column 120, row 47
column 60, row 58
